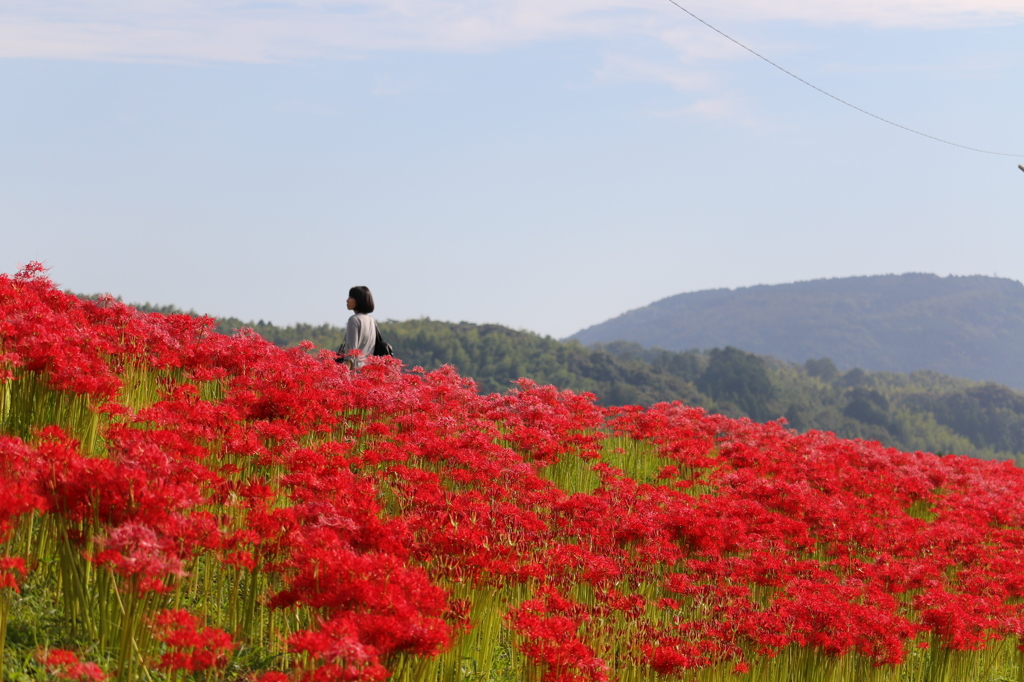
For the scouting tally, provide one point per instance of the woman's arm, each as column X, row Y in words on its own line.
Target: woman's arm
column 351, row 337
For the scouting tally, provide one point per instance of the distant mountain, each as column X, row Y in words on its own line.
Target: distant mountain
column 970, row 327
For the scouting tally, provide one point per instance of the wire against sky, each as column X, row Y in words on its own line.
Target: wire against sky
column 839, row 99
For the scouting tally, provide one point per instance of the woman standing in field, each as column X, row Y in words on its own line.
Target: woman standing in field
column 361, row 333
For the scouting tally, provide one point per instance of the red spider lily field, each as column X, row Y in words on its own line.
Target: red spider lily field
column 180, row 504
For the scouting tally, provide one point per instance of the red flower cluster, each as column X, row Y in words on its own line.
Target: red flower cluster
column 356, row 525
column 66, row 666
column 189, row 646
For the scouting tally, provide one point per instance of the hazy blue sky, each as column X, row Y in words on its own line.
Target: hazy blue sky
column 545, row 165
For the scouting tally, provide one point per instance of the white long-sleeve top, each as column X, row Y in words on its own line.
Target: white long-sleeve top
column 361, row 335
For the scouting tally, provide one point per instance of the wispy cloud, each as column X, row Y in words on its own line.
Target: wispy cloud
column 680, row 76
column 259, row 31
column 729, row 109
column 881, row 13
column 253, row 30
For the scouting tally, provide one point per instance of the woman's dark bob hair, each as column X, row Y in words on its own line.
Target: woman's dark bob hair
column 364, row 299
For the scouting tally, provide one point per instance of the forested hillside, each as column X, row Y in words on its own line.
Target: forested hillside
column 969, row 327
column 494, row 356
column 917, row 411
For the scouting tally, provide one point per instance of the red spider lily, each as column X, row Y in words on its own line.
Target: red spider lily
column 272, row 676
column 343, row 656
column 190, row 646
column 135, row 550
column 46, row 330
column 19, row 489
column 547, row 424
column 549, row 628
column 10, row 569
column 392, row 608
column 65, row 665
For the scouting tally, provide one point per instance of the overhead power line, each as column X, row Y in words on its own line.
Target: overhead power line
column 839, row 99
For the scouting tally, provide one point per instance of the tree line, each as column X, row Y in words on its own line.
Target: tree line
column 920, row 410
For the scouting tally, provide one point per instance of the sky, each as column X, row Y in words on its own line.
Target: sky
column 542, row 165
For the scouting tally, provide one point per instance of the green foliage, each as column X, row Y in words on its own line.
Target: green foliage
column 989, row 414
column 909, row 411
column 739, row 378
column 36, row 621
column 495, row 356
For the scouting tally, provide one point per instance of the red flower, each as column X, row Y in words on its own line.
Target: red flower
column 189, row 646
column 65, row 665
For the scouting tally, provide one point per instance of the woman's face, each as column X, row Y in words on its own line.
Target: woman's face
column 350, row 303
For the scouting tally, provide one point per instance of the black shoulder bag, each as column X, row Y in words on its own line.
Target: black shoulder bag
column 380, row 346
